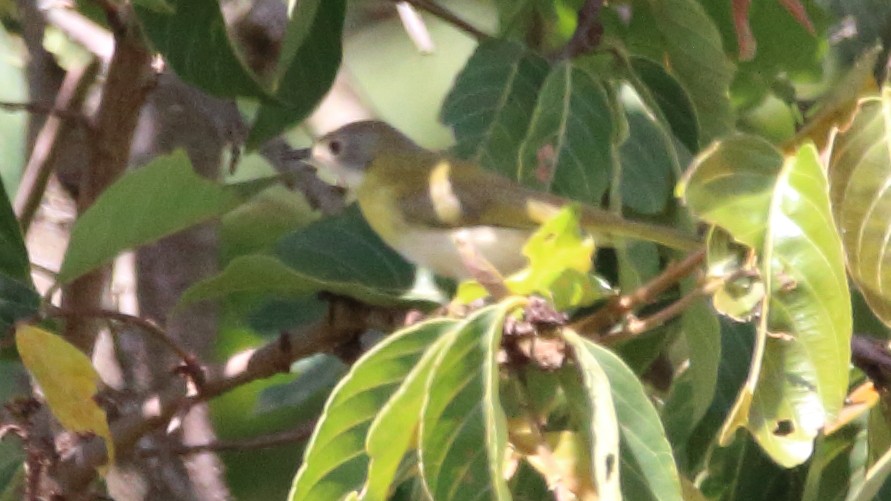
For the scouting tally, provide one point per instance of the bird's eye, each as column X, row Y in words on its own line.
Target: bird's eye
column 335, row 147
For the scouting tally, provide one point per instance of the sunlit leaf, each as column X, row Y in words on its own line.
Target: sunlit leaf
column 395, row 427
column 335, row 462
column 463, row 433
column 647, row 468
column 68, row 380
column 860, row 170
column 597, row 419
column 779, row 206
column 492, row 102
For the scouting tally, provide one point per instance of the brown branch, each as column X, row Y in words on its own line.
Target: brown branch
column 346, row 321
column 65, row 110
column 447, row 16
column 588, row 31
column 144, row 325
column 129, row 79
column 619, row 307
column 299, row 434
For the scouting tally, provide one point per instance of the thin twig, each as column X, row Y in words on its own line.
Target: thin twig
column 157, row 332
column 299, row 434
column 41, row 109
column 68, row 102
column 447, row 16
column 616, row 310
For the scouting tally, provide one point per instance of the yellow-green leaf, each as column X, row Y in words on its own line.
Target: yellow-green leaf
column 860, row 170
column 779, row 206
column 68, row 381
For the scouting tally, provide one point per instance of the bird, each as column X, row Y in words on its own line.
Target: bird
column 426, row 204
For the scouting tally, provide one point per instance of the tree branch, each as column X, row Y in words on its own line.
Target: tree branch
column 447, row 16
column 66, row 107
column 588, row 31
column 347, row 319
column 617, row 308
column 299, row 434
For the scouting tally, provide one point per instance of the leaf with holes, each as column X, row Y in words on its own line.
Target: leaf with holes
column 591, row 404
column 646, row 467
column 335, row 463
column 860, row 171
column 490, row 105
column 779, row 206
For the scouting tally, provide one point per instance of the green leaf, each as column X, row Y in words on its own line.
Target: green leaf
column 144, row 205
column 671, row 98
column 335, row 462
column 696, row 57
column 568, row 149
column 839, row 461
column 309, row 61
column 491, row 104
column 14, row 262
column 18, row 300
column 396, row 425
column 647, row 468
column 313, row 375
column 780, row 207
column 159, row 6
column 596, row 418
column 703, row 333
column 874, row 481
column 647, row 157
column 859, row 170
column 463, row 434
column 191, row 35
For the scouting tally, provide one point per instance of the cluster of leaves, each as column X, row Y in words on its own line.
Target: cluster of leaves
column 443, row 408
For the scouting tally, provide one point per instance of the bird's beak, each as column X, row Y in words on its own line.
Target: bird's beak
column 300, row 155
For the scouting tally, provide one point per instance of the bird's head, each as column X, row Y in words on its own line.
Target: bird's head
column 350, row 151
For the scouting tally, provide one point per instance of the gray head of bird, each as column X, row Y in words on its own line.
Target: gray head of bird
column 350, row 150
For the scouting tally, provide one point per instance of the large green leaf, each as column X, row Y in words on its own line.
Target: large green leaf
column 340, row 254
column 144, row 205
column 860, row 170
column 696, row 57
column 18, row 299
column 191, row 35
column 491, row 105
column 780, row 207
column 671, row 98
column 309, row 61
column 647, row 468
column 597, row 418
column 335, row 462
column 648, row 158
column 463, row 434
column 568, row 149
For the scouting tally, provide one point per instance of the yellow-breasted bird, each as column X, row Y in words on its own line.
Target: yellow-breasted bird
column 421, row 202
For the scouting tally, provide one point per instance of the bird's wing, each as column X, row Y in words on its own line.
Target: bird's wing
column 468, row 196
